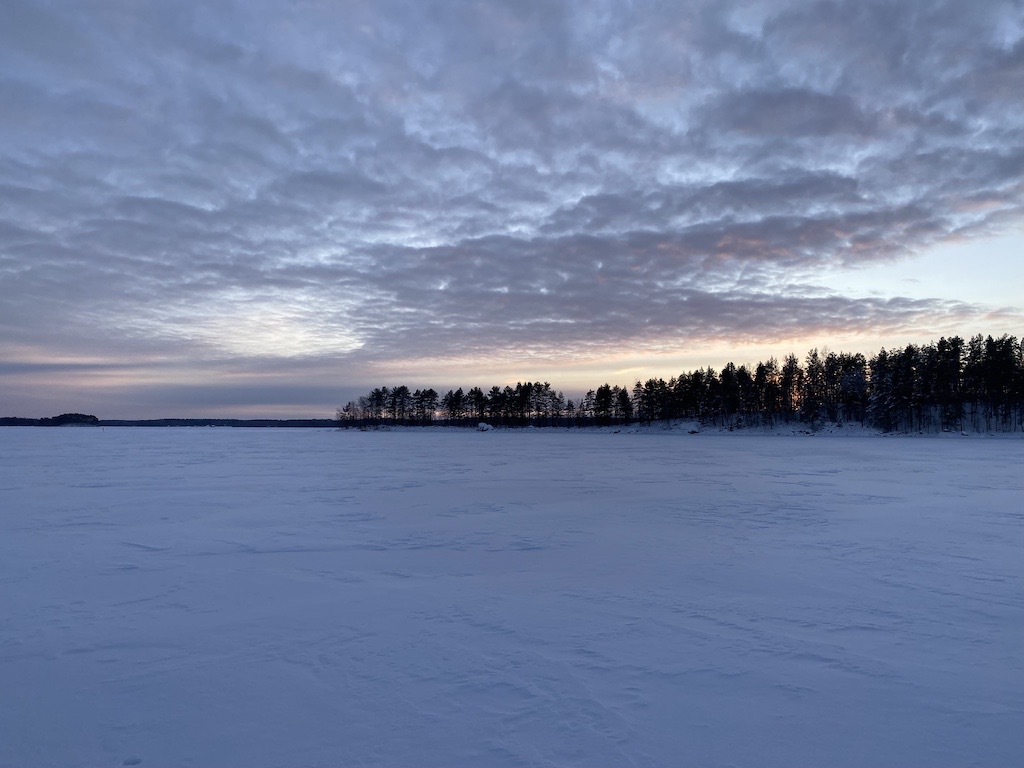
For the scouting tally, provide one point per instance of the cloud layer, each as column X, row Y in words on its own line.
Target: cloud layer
column 377, row 181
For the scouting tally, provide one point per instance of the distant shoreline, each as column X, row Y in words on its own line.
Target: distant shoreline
column 11, row 421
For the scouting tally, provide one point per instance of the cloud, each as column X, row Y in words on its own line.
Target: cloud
column 377, row 181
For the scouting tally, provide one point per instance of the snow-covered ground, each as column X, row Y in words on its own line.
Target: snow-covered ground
column 245, row 597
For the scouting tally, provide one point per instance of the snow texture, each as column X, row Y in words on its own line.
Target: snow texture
column 219, row 597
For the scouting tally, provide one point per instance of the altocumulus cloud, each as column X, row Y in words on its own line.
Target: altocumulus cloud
column 374, row 181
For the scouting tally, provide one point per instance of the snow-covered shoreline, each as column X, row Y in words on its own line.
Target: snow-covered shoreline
column 695, row 429
column 686, row 428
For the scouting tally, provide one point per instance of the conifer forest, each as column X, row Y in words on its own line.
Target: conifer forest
column 975, row 385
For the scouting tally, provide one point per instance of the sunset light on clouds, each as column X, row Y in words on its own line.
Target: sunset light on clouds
column 262, row 208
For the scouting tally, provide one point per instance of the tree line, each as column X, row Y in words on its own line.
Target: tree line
column 952, row 384
column 64, row 420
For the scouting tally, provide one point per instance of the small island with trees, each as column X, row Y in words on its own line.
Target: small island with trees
column 64, row 420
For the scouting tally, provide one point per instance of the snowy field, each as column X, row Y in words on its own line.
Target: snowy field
column 245, row 597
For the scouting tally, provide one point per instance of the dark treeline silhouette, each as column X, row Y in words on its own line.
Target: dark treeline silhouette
column 975, row 385
column 64, row 420
column 290, row 423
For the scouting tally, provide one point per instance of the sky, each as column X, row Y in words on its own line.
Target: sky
column 264, row 208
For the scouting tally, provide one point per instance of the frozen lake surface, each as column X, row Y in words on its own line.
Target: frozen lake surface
column 237, row 597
